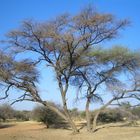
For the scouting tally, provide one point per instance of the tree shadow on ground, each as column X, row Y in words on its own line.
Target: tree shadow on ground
column 3, row 126
column 58, row 125
column 65, row 125
column 127, row 124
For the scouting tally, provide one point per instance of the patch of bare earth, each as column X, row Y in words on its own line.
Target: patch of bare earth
column 37, row 131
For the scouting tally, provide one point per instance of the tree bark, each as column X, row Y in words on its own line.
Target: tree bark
column 88, row 116
column 69, row 119
column 64, row 101
column 95, row 121
column 57, row 111
column 72, row 124
column 98, row 112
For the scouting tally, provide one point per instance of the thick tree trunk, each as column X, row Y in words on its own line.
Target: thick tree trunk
column 63, row 91
column 88, row 116
column 69, row 119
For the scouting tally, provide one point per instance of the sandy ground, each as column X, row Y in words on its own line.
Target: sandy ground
column 37, row 131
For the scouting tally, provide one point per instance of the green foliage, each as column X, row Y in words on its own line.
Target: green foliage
column 116, row 115
column 6, row 112
column 82, row 114
column 125, row 106
column 110, row 116
column 48, row 117
column 136, row 111
column 22, row 115
column 116, row 54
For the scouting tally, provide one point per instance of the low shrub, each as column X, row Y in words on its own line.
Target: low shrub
column 48, row 117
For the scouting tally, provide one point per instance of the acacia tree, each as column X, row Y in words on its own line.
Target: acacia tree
column 107, row 65
column 61, row 43
column 127, row 64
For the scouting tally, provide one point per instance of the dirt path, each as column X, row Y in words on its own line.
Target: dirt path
column 20, row 127
column 13, row 131
column 37, row 131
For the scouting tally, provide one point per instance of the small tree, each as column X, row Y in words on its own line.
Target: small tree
column 6, row 112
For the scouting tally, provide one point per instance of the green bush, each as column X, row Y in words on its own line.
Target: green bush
column 110, row 115
column 136, row 111
column 6, row 112
column 48, row 117
column 22, row 115
column 115, row 115
column 82, row 114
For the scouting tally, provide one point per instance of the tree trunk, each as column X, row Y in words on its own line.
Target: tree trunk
column 69, row 119
column 98, row 112
column 72, row 124
column 63, row 92
column 88, row 116
column 51, row 107
column 57, row 111
column 65, row 116
column 95, row 121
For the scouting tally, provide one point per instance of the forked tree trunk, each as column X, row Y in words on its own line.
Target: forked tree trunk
column 69, row 119
column 65, row 116
column 63, row 91
column 72, row 124
column 88, row 116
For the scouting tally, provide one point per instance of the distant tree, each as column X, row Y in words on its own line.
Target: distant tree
column 74, row 112
column 22, row 115
column 6, row 112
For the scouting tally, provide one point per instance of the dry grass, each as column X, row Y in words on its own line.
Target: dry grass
column 37, row 131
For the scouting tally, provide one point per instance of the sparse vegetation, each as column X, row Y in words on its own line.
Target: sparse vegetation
column 6, row 112
column 48, row 117
column 22, row 115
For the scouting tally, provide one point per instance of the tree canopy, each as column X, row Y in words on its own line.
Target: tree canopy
column 69, row 45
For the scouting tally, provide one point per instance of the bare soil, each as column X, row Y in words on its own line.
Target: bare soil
column 38, row 131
